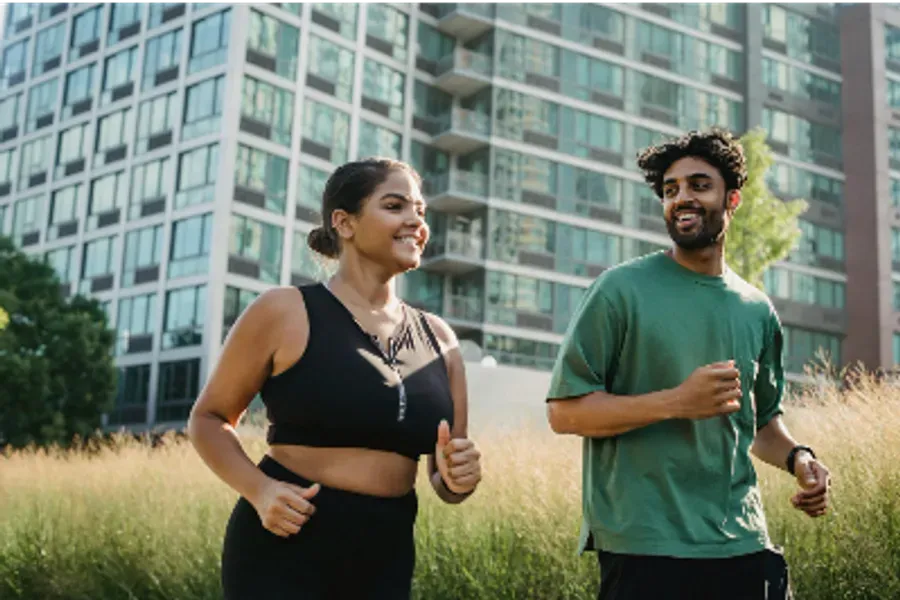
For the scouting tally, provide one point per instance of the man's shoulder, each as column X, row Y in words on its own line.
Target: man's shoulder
column 627, row 274
column 751, row 295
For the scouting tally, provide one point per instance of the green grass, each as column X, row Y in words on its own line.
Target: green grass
column 131, row 522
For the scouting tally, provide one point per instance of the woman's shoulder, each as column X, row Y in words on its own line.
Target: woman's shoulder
column 277, row 306
column 444, row 334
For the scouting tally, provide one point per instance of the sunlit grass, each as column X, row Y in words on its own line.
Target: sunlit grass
column 128, row 521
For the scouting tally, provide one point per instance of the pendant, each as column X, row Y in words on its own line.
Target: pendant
column 401, row 412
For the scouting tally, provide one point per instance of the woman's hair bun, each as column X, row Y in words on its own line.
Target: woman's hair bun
column 324, row 242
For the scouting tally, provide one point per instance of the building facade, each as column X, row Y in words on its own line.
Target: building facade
column 168, row 159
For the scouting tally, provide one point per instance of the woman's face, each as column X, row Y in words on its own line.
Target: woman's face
column 390, row 230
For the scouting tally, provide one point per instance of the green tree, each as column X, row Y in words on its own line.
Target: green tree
column 56, row 364
column 764, row 229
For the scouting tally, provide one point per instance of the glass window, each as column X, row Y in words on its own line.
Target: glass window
column 163, row 53
column 136, row 318
column 891, row 43
column 62, row 260
column 157, row 116
column 276, row 40
column 327, row 127
column 42, row 100
column 185, row 312
column 197, row 170
column 9, row 112
column 143, row 249
column 98, row 259
column 310, row 187
column 178, row 389
column 189, row 253
column 271, row 106
column 118, row 70
column 13, row 66
column 34, row 162
column 79, row 88
column 114, row 133
column 72, row 145
column 258, row 242
column 264, row 173
column 50, row 10
column 203, row 108
column 48, row 47
column 6, row 171
column 107, row 195
column 333, row 64
column 64, row 207
column 385, row 85
column 121, row 17
column 85, row 33
column 433, row 45
column 150, row 182
column 27, row 217
column 390, row 25
column 19, row 17
column 162, row 12
column 378, row 141
column 338, row 17
column 209, row 41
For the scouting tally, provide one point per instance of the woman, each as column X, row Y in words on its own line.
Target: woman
column 357, row 386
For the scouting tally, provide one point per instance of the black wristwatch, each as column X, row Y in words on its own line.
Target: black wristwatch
column 792, row 456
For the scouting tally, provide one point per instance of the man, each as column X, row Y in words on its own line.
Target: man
column 671, row 371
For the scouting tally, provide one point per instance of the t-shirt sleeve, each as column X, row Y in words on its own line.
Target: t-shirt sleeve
column 590, row 349
column 769, row 387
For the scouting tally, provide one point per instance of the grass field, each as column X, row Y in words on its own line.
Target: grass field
column 133, row 522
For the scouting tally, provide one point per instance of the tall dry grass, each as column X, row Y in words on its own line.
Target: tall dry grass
column 133, row 522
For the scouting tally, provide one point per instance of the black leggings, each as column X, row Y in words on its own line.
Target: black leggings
column 355, row 546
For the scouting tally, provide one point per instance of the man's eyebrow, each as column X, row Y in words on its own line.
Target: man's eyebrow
column 691, row 176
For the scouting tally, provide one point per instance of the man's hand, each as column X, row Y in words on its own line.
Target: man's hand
column 815, row 480
column 458, row 461
column 709, row 391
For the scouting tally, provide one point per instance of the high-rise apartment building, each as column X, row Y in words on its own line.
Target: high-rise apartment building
column 168, row 159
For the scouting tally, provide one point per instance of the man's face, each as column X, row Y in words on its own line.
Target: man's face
column 696, row 205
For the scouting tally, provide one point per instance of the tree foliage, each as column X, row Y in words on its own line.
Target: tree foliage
column 764, row 229
column 57, row 374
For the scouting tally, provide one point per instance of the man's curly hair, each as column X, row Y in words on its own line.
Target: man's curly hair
column 716, row 146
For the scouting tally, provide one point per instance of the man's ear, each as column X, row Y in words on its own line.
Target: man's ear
column 734, row 199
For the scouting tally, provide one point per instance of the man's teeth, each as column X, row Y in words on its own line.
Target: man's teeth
column 407, row 239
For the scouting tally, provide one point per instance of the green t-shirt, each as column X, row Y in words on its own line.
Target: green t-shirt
column 681, row 487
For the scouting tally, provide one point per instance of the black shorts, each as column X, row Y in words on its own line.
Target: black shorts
column 355, row 546
column 759, row 576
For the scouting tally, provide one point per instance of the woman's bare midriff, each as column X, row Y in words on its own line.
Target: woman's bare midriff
column 360, row 470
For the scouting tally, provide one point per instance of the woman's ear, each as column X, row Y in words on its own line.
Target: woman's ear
column 342, row 223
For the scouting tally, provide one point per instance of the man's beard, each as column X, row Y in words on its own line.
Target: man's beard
column 710, row 231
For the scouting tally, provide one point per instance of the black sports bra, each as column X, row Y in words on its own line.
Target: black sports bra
column 346, row 392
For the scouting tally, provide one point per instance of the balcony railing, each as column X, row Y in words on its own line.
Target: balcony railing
column 469, row 121
column 466, row 308
column 456, row 243
column 463, row 58
column 458, row 182
column 486, row 11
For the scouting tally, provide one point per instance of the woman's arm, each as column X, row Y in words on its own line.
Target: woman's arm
column 461, row 458
column 244, row 365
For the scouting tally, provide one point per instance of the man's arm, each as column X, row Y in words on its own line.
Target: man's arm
column 600, row 414
column 773, row 442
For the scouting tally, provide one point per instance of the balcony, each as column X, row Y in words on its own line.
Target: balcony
column 464, row 72
column 454, row 252
column 465, row 308
column 461, row 131
column 465, row 21
column 456, row 191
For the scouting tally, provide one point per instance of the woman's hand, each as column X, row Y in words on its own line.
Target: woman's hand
column 284, row 508
column 458, row 461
